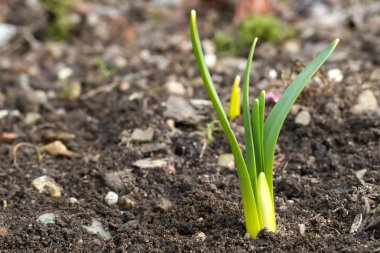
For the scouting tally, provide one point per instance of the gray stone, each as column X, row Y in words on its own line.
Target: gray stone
column 180, row 110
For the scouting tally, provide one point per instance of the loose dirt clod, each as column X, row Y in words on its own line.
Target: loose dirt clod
column 126, row 203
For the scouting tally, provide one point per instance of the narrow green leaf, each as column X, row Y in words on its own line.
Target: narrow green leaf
column 256, row 132
column 279, row 112
column 249, row 147
column 249, row 203
column 262, row 112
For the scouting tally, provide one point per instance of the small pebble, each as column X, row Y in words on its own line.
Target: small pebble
column 200, row 236
column 366, row 101
column 303, row 118
column 47, row 185
column 111, row 198
column 142, row 135
column 272, row 74
column 3, row 232
column 335, row 75
column 292, row 47
column 46, row 218
column 73, row 201
column 247, row 236
column 210, row 60
column 226, row 161
column 97, row 228
column 302, row 229
column 64, row 73
column 180, row 110
column 31, row 118
column 175, row 88
column 7, row 33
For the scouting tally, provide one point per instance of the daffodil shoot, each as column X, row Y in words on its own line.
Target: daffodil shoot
column 255, row 168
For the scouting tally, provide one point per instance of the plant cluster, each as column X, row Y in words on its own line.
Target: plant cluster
column 255, row 171
column 60, row 22
column 266, row 27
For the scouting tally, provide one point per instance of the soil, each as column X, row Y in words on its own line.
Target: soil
column 326, row 173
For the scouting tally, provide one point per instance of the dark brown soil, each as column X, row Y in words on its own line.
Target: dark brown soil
column 316, row 183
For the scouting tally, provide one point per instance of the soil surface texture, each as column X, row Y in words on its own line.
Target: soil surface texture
column 104, row 142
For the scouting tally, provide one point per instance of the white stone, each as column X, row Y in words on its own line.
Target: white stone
column 7, row 33
column 150, row 164
column 111, row 198
column 210, row 60
column 335, row 75
column 65, row 73
column 303, row 118
column 46, row 218
column 272, row 74
column 97, row 228
column 3, row 113
column 302, row 229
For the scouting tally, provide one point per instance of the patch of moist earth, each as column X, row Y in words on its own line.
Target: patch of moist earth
column 319, row 192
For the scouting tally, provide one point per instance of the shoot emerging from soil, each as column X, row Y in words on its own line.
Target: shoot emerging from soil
column 255, row 171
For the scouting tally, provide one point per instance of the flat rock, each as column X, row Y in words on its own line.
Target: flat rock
column 366, row 102
column 142, row 135
column 180, row 110
column 150, row 164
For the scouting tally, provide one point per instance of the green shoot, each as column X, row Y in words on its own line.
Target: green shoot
column 234, row 109
column 255, row 172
